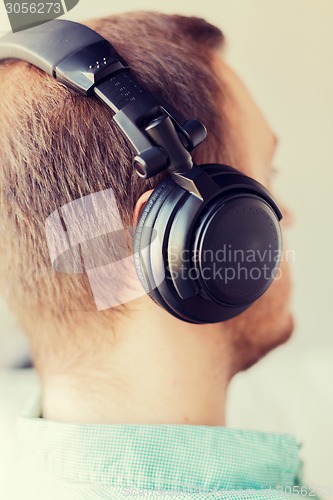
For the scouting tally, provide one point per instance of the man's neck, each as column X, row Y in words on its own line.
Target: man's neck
column 159, row 372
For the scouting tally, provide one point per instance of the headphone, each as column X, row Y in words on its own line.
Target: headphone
column 202, row 216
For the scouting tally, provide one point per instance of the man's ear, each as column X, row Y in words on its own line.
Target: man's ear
column 139, row 206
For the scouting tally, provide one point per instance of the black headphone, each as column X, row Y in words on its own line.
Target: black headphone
column 201, row 221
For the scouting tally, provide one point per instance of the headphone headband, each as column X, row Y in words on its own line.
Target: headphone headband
column 48, row 45
column 86, row 62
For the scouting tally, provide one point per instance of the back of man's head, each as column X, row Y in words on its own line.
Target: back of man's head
column 57, row 147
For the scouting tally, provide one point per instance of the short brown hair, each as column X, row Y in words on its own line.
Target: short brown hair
column 57, row 146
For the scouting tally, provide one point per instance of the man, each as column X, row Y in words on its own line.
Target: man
column 133, row 400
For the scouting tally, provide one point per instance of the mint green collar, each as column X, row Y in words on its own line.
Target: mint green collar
column 160, row 457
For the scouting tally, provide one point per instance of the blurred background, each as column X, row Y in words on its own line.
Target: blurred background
column 283, row 50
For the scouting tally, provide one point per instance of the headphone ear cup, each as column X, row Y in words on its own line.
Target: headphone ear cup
column 240, row 213
column 143, row 237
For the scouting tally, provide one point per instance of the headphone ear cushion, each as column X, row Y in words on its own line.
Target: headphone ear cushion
column 143, row 238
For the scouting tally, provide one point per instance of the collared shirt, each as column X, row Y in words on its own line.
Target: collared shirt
column 163, row 461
